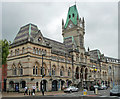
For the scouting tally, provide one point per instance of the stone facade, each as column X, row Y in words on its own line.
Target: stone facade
column 64, row 64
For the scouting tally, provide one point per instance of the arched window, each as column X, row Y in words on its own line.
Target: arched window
column 18, row 51
column 62, row 71
column 23, row 50
column 69, row 71
column 33, row 70
column 39, row 51
column 34, row 50
column 20, row 69
column 53, row 70
column 11, row 84
column 14, row 70
column 36, row 70
column 23, row 84
column 15, row 52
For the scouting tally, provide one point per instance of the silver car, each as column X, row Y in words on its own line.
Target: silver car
column 71, row 89
column 115, row 91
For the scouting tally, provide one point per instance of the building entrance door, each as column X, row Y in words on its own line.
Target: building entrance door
column 54, row 85
column 16, row 87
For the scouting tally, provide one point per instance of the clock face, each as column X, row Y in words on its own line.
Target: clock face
column 70, row 26
column 39, row 39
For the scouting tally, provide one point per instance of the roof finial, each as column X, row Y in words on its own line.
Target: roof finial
column 75, row 2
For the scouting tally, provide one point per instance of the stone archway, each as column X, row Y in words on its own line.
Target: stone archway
column 69, row 83
column 54, row 85
column 62, row 84
column 81, row 73
column 86, row 73
column 44, row 82
column 77, row 73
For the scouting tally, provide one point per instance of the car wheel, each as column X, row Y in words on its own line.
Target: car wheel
column 70, row 91
column 110, row 94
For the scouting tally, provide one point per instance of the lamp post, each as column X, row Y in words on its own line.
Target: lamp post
column 42, row 76
column 72, row 70
column 94, row 70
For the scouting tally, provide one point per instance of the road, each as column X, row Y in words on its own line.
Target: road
column 102, row 94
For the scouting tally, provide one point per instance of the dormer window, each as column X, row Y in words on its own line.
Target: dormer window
column 39, row 39
column 73, row 15
column 69, row 16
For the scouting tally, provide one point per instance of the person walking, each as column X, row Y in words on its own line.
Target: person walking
column 26, row 90
column 33, row 87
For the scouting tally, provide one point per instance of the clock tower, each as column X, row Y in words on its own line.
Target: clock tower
column 73, row 30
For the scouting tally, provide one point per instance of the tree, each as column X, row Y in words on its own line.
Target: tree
column 4, row 49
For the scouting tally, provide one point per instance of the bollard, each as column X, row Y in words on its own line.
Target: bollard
column 85, row 92
column 96, row 90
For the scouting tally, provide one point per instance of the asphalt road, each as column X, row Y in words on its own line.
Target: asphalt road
column 103, row 94
column 54, row 97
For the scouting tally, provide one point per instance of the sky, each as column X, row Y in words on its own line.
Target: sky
column 101, row 22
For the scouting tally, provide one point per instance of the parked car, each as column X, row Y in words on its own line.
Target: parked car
column 115, row 91
column 103, row 87
column 92, row 88
column 71, row 89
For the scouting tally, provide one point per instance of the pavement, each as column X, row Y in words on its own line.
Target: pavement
column 16, row 94
column 101, row 93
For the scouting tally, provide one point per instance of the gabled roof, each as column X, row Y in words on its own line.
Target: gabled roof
column 25, row 32
column 72, row 15
column 94, row 54
column 30, row 31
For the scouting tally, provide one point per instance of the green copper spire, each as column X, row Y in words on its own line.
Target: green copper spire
column 29, row 28
column 72, row 15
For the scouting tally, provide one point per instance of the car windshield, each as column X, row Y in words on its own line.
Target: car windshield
column 116, row 87
column 72, row 87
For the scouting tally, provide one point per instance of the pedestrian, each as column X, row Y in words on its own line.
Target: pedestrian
column 26, row 90
column 42, row 90
column 33, row 89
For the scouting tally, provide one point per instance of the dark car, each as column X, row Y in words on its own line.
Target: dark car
column 92, row 88
column 115, row 91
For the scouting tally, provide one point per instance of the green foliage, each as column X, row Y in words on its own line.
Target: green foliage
column 4, row 49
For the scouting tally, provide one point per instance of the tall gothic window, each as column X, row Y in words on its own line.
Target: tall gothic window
column 62, row 71
column 53, row 70
column 36, row 70
column 33, row 70
column 69, row 72
column 34, row 50
column 18, row 51
column 23, row 50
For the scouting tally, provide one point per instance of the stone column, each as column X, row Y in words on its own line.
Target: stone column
column 49, row 85
column 59, row 85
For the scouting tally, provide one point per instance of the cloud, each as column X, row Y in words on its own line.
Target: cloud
column 100, row 22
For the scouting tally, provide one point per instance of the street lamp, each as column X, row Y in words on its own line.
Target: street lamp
column 94, row 70
column 42, row 76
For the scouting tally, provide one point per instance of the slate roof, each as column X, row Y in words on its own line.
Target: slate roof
column 94, row 54
column 57, row 47
column 25, row 32
column 31, row 31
